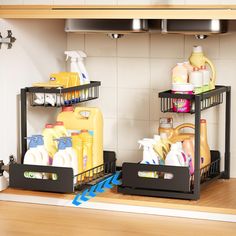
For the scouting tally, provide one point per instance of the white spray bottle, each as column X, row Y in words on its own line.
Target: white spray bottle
column 149, row 155
column 77, row 65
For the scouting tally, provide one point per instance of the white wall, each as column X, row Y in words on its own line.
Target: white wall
column 37, row 52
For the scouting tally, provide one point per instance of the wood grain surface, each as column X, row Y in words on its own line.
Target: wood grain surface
column 29, row 219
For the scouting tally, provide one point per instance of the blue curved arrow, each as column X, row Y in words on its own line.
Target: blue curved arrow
column 99, row 187
column 83, row 196
column 115, row 180
column 107, row 183
column 92, row 191
column 75, row 200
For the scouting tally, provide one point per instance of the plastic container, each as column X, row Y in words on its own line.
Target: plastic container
column 87, row 141
column 180, row 74
column 86, row 118
column 198, row 59
column 205, row 150
column 60, row 129
column 78, row 147
column 205, row 78
column 182, row 105
column 196, row 79
column 49, row 136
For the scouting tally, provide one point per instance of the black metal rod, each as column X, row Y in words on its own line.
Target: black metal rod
column 197, row 157
column 227, row 133
column 23, row 108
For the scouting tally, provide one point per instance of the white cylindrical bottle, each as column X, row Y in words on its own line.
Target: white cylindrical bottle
column 196, row 79
column 206, row 78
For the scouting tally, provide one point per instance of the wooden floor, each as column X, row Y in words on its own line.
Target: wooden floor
column 218, row 197
column 31, row 219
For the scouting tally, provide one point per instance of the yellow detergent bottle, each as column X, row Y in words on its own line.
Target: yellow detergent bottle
column 86, row 118
column 198, row 59
column 49, row 136
column 87, row 141
column 60, row 129
column 78, row 147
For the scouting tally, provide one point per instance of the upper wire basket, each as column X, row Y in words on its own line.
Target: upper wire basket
column 57, row 97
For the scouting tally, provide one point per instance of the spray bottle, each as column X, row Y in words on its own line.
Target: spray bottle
column 78, row 66
column 149, row 157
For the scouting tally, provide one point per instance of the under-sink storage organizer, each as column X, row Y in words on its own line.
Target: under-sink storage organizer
column 19, row 174
column 181, row 184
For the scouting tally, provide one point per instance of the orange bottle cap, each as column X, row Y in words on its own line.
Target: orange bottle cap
column 48, row 126
column 69, row 108
column 59, row 123
column 203, row 121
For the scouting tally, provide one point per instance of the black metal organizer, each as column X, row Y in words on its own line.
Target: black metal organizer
column 65, row 177
column 182, row 185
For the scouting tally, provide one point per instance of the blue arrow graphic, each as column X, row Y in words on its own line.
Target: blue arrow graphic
column 83, row 196
column 92, row 191
column 99, row 187
column 75, row 200
column 107, row 183
column 115, row 180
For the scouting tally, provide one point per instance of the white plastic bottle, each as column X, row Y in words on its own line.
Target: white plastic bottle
column 45, row 160
column 33, row 157
column 61, row 158
column 73, row 157
column 179, row 74
column 206, row 78
column 196, row 79
column 175, row 158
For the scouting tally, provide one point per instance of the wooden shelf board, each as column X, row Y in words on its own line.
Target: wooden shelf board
column 119, row 12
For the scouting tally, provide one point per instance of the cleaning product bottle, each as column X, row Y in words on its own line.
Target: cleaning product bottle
column 88, row 118
column 49, row 136
column 196, row 79
column 87, row 141
column 179, row 74
column 149, row 157
column 206, row 78
column 60, row 129
column 198, row 59
column 188, row 147
column 33, row 157
column 174, row 134
column 73, row 157
column 175, row 157
column 77, row 145
column 188, row 66
column 77, row 65
column 61, row 157
column 205, row 150
column 160, row 148
column 45, row 160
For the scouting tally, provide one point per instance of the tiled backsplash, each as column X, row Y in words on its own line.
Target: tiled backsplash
column 134, row 68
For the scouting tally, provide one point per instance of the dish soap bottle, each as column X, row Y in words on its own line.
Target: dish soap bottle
column 198, row 59
column 180, row 74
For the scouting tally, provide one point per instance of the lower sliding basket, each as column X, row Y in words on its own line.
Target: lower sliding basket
column 19, row 176
column 152, row 180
